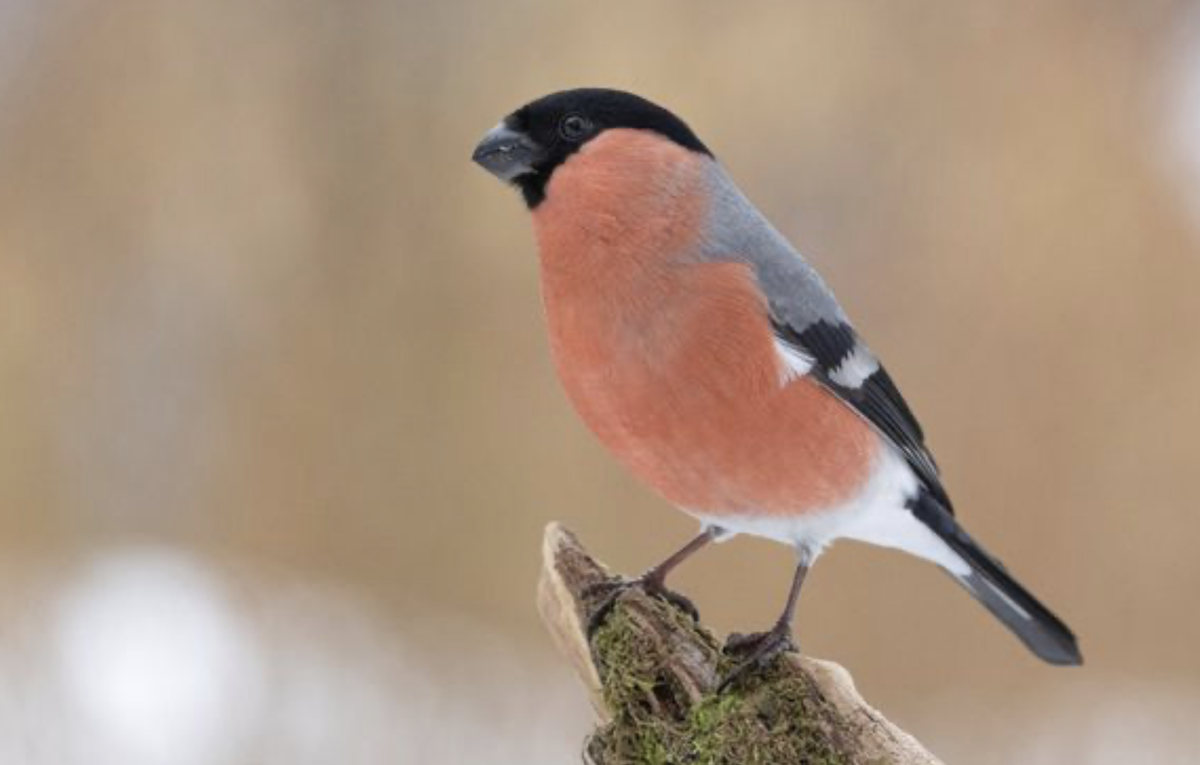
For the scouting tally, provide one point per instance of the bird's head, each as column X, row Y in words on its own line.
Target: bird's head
column 531, row 143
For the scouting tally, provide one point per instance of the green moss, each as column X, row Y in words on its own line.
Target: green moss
column 772, row 718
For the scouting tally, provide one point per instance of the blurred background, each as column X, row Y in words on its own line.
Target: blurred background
column 278, row 427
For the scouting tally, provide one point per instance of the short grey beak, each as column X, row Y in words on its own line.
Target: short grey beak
column 506, row 153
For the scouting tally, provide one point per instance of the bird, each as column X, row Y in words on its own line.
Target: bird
column 713, row 361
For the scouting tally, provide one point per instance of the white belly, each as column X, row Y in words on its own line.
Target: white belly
column 876, row 514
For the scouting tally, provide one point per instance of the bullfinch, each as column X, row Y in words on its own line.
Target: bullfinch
column 712, row 360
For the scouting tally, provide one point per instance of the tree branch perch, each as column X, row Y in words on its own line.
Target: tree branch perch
column 652, row 673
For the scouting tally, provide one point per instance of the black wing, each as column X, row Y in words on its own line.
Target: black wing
column 843, row 364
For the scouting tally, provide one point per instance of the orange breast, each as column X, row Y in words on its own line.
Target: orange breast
column 671, row 361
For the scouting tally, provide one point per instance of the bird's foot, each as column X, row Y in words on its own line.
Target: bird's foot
column 611, row 590
column 756, row 651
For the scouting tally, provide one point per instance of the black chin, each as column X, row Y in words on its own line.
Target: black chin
column 533, row 187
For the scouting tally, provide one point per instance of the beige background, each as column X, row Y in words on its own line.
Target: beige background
column 278, row 429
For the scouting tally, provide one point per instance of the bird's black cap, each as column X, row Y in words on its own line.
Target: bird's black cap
column 533, row 141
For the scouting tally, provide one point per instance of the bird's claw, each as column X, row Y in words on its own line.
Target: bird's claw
column 756, row 650
column 612, row 589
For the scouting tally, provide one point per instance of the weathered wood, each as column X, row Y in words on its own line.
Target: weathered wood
column 652, row 672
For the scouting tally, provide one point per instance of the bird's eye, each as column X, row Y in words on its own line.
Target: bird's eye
column 573, row 127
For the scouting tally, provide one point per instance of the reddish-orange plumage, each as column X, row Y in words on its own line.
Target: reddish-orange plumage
column 672, row 361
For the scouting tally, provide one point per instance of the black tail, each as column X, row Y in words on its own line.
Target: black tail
column 992, row 586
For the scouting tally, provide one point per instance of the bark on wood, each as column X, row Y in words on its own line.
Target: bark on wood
column 652, row 672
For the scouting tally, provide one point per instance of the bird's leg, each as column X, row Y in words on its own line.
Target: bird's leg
column 652, row 582
column 758, row 649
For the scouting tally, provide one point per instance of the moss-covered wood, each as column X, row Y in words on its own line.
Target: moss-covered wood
column 652, row 673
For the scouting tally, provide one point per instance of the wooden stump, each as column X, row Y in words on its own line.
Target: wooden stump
column 652, row 672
